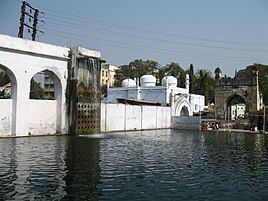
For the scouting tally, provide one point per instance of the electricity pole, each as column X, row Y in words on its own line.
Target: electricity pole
column 26, row 10
column 22, row 19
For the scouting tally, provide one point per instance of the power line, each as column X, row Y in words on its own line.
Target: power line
column 84, row 27
column 104, row 23
column 145, row 48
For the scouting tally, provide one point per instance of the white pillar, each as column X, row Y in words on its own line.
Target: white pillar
column 22, row 105
column 187, row 83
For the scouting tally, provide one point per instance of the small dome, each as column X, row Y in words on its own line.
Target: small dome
column 172, row 81
column 128, row 83
column 148, row 81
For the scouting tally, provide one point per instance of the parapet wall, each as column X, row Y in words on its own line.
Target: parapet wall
column 122, row 117
column 41, row 121
column 185, row 123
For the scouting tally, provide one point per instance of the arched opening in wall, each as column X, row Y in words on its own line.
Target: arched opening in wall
column 236, row 107
column 42, row 86
column 184, row 111
column 8, row 95
column 5, row 84
column 45, row 103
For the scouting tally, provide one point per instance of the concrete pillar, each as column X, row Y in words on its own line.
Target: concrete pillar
column 187, row 83
column 22, row 105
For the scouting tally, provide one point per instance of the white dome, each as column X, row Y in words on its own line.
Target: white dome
column 148, row 81
column 128, row 83
column 170, row 80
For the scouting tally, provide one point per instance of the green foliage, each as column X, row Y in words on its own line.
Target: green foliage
column 140, row 67
column 205, row 85
column 36, row 91
column 175, row 70
column 136, row 69
column 192, row 78
column 244, row 74
column 122, row 73
column 4, row 78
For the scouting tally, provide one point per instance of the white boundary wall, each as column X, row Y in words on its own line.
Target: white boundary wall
column 42, row 121
column 5, row 117
column 42, row 117
column 122, row 117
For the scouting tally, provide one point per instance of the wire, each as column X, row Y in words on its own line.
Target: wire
column 104, row 23
column 73, row 25
column 144, row 48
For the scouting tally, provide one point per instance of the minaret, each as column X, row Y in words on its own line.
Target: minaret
column 217, row 75
column 187, row 83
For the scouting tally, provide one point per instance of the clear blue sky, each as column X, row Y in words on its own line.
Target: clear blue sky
column 231, row 33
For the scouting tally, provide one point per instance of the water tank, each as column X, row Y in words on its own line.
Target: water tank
column 128, row 83
column 147, row 81
column 172, row 81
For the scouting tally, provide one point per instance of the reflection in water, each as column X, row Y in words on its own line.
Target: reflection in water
column 179, row 165
column 48, row 168
column 82, row 169
column 151, row 165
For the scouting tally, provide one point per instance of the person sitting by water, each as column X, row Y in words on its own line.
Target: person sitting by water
column 217, row 126
column 255, row 128
column 213, row 126
column 204, row 126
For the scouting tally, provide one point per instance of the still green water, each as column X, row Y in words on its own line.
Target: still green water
column 148, row 165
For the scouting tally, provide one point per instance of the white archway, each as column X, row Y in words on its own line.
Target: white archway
column 182, row 107
column 8, row 121
column 55, row 105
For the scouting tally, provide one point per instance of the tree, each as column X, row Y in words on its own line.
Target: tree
column 122, row 73
column 205, row 85
column 136, row 69
column 4, row 78
column 174, row 70
column 192, row 78
column 140, row 67
column 36, row 91
column 246, row 73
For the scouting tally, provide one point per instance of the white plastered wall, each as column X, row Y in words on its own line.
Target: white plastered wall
column 122, row 117
column 26, row 58
column 5, row 116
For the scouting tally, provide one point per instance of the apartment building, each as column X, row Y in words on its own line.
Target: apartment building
column 108, row 74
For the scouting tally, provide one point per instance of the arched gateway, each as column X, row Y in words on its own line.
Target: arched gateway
column 240, row 90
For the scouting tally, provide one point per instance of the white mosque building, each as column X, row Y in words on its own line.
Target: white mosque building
column 182, row 103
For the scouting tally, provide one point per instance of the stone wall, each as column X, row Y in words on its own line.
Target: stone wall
column 185, row 123
column 121, row 117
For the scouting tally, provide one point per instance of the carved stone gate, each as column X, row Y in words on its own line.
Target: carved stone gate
column 245, row 88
